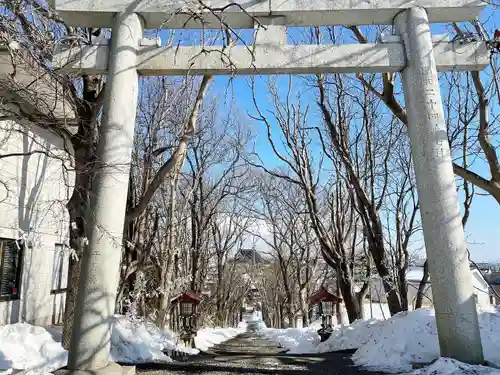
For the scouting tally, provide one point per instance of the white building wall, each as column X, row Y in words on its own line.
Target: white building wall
column 427, row 301
column 481, row 291
column 34, row 189
column 377, row 290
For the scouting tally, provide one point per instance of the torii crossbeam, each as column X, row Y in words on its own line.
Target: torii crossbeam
column 276, row 59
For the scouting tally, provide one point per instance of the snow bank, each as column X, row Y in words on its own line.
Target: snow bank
column 448, row 366
column 23, row 346
column 208, row 337
column 350, row 337
column 314, row 325
column 297, row 340
column 259, row 325
column 307, row 341
column 412, row 337
column 392, row 345
column 27, row 347
column 141, row 341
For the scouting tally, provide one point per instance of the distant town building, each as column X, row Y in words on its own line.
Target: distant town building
column 249, row 256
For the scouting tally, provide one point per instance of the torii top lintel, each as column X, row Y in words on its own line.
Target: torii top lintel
column 178, row 14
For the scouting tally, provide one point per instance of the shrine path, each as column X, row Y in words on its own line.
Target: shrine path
column 250, row 354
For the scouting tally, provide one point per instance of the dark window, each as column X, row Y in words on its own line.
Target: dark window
column 60, row 269
column 11, row 255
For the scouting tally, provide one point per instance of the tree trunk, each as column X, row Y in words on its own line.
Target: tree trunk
column 393, row 301
column 360, row 297
column 350, row 301
column 71, row 293
column 303, row 307
column 289, row 305
column 421, row 287
column 163, row 308
column 76, row 209
column 281, row 316
column 290, row 316
column 168, row 266
column 219, row 310
column 83, row 143
column 379, row 258
column 403, row 288
column 346, row 287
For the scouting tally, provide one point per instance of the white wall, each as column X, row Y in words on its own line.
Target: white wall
column 413, row 291
column 480, row 289
column 33, row 193
column 377, row 291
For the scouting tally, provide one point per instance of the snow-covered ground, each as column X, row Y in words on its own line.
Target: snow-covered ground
column 27, row 347
column 448, row 366
column 392, row 345
column 297, row 340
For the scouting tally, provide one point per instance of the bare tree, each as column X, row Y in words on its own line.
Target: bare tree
column 35, row 28
column 229, row 229
column 293, row 244
column 401, row 213
column 477, row 95
column 302, row 168
column 214, row 170
column 358, row 142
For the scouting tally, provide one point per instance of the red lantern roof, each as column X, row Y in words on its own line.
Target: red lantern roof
column 324, row 295
column 187, row 296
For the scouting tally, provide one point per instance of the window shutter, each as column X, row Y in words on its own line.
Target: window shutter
column 10, row 266
column 60, row 268
column 56, row 271
column 65, row 268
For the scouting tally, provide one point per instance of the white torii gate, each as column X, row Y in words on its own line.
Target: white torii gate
column 414, row 53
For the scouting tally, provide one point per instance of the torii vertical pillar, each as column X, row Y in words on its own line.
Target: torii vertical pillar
column 91, row 335
column 456, row 315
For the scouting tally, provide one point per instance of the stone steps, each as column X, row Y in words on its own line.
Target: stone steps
column 254, row 326
column 247, row 343
column 259, row 343
column 250, row 346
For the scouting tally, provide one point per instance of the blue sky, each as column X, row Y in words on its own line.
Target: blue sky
column 234, row 94
column 483, row 235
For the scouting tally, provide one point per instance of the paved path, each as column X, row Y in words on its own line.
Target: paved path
column 250, row 354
